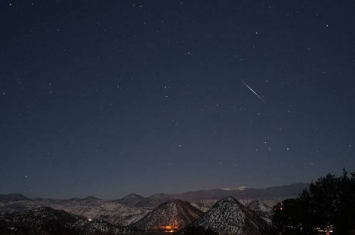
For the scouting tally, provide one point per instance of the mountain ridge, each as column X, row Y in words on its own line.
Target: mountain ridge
column 288, row 190
column 172, row 216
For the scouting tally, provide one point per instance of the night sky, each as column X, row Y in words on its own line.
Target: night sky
column 107, row 98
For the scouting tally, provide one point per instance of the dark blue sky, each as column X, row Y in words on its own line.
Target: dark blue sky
column 106, row 98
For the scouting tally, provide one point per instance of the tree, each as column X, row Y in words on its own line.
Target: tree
column 328, row 201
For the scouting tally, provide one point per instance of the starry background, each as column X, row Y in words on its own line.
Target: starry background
column 106, row 98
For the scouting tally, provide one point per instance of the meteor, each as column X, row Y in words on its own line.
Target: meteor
column 252, row 90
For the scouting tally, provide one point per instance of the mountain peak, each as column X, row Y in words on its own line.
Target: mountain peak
column 45, row 220
column 228, row 216
column 131, row 199
column 169, row 216
column 229, row 199
column 133, row 195
column 257, row 205
column 91, row 198
column 12, row 197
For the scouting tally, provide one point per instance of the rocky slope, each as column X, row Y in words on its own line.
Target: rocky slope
column 133, row 207
column 170, row 216
column 262, row 210
column 90, row 208
column 228, row 216
column 203, row 205
column 45, row 220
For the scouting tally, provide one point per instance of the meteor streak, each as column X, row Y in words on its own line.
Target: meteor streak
column 252, row 90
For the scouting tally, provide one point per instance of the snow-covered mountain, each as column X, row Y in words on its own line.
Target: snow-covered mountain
column 92, row 215
column 45, row 220
column 258, row 205
column 270, row 195
column 97, row 226
column 110, row 211
column 170, row 216
column 133, row 207
column 262, row 210
column 203, row 205
column 39, row 217
column 157, row 199
column 90, row 208
column 291, row 190
column 228, row 216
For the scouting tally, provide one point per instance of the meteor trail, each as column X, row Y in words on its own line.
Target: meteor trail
column 252, row 90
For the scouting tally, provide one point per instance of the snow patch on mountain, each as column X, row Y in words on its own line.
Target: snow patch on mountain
column 45, row 220
column 262, row 210
column 241, row 188
column 90, row 208
column 228, row 216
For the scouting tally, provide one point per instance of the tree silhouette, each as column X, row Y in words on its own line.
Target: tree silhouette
column 328, row 201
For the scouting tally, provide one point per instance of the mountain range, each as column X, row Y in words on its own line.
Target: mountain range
column 241, row 193
column 227, row 216
column 227, row 211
